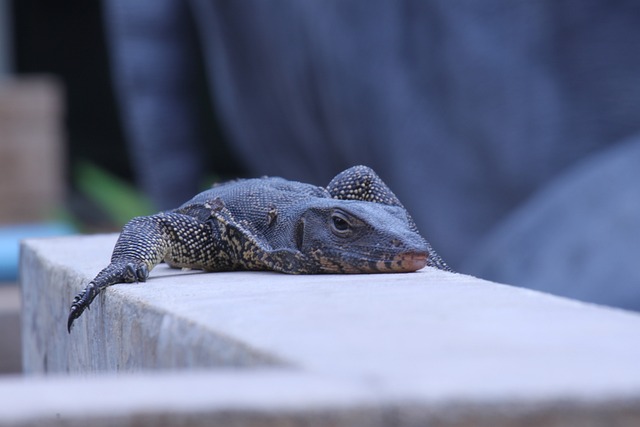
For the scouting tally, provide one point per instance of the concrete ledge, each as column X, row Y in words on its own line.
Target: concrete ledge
column 273, row 398
column 389, row 349
column 122, row 331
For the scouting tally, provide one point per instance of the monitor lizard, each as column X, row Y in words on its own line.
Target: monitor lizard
column 354, row 225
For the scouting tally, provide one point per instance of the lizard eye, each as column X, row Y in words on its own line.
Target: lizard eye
column 340, row 224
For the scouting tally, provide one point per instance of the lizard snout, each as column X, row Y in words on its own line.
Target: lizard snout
column 412, row 261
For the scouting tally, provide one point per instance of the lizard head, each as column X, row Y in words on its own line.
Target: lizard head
column 348, row 236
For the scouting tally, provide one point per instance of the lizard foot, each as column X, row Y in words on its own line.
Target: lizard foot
column 135, row 273
column 115, row 273
column 81, row 302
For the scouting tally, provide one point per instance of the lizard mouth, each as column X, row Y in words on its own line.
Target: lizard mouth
column 412, row 261
column 402, row 263
column 405, row 262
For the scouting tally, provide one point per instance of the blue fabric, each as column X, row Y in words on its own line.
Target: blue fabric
column 466, row 108
column 154, row 64
column 579, row 236
column 10, row 237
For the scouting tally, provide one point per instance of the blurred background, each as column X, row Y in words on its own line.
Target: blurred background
column 509, row 129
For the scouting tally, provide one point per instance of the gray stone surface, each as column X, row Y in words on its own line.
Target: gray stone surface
column 10, row 347
column 129, row 333
column 273, row 398
column 401, row 349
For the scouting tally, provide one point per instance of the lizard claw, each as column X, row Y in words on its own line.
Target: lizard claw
column 127, row 272
column 135, row 273
column 80, row 303
column 73, row 315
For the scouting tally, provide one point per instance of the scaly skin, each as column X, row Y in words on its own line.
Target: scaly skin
column 355, row 225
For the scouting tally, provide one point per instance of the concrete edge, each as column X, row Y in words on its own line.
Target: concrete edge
column 211, row 348
column 264, row 398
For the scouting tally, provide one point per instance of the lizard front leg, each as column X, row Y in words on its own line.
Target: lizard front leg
column 143, row 243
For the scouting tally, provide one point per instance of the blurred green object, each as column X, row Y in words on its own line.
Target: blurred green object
column 117, row 198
